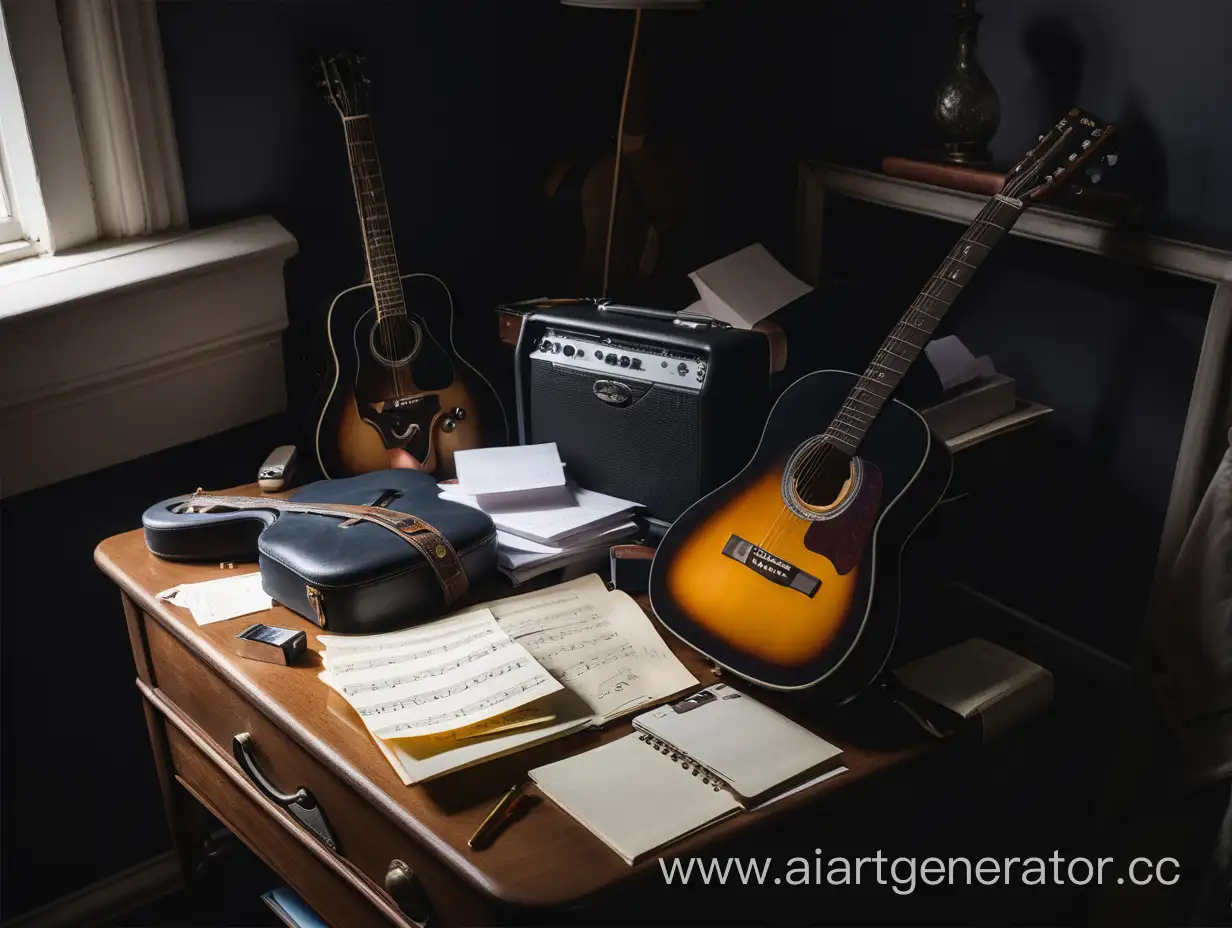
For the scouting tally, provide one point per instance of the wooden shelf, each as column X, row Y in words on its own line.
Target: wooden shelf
column 1057, row 227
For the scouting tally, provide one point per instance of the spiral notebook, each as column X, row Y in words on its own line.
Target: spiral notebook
column 744, row 744
column 641, row 792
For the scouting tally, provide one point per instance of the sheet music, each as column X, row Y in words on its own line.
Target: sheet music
column 438, row 677
column 599, row 644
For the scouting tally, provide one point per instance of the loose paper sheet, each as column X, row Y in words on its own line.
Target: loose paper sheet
column 745, row 287
column 219, row 600
column 600, row 644
column 509, row 469
column 434, row 678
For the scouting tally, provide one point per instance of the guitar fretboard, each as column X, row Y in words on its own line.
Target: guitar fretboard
column 911, row 334
column 374, row 216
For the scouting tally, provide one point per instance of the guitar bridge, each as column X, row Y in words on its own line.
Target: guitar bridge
column 774, row 569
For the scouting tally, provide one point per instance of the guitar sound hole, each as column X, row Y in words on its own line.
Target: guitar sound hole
column 395, row 342
column 824, row 479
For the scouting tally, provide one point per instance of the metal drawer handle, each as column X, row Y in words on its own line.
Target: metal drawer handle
column 404, row 886
column 301, row 803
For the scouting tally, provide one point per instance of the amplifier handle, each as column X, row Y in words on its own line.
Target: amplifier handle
column 691, row 320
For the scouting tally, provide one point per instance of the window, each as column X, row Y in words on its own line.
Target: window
column 10, row 228
column 21, row 218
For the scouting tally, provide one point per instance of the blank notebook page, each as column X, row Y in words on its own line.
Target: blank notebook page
column 752, row 747
column 631, row 797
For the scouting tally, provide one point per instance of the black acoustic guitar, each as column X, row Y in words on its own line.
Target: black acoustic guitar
column 788, row 574
column 395, row 396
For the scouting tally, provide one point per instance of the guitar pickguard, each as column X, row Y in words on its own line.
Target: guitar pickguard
column 404, row 423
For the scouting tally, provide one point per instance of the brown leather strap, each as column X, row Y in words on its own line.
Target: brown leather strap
column 438, row 553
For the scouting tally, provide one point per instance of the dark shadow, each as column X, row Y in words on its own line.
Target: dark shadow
column 1142, row 169
column 1056, row 50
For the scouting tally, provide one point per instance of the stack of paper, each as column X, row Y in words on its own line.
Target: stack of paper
column 602, row 653
column 543, row 523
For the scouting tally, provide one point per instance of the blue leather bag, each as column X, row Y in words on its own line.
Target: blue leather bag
column 357, row 555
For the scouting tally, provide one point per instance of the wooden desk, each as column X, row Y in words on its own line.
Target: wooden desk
column 198, row 695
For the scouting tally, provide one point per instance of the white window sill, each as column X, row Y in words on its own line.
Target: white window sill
column 121, row 349
column 16, row 251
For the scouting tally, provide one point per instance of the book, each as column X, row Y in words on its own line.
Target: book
column 976, row 404
column 687, row 766
column 291, row 910
column 982, row 682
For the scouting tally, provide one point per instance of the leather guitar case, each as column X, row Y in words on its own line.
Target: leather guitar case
column 356, row 556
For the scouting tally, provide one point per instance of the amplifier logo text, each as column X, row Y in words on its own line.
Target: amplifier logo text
column 612, row 392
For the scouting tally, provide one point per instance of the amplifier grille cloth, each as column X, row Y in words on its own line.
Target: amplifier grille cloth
column 647, row 451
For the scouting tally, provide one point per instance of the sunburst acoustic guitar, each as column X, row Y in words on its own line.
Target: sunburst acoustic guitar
column 394, row 393
column 788, row 574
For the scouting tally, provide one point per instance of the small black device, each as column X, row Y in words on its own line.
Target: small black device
column 271, row 643
column 648, row 405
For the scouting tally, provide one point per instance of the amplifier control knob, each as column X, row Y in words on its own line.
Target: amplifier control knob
column 545, row 345
column 599, row 355
column 556, row 348
column 611, row 358
column 682, row 369
column 636, row 364
column 624, row 360
column 568, row 351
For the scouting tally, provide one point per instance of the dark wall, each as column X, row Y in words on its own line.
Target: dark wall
column 1161, row 72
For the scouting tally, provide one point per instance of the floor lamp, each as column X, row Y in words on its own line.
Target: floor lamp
column 636, row 6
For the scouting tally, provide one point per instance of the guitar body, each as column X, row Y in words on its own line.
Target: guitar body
column 393, row 386
column 788, row 575
column 830, row 624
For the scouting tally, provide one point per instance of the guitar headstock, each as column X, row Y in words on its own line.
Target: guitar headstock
column 344, row 83
column 1079, row 141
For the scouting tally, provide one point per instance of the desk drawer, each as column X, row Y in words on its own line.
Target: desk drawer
column 340, row 898
column 367, row 840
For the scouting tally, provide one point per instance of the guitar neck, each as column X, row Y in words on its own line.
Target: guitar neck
column 908, row 338
column 374, row 216
column 339, row 510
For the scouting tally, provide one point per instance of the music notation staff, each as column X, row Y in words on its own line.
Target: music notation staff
column 452, row 673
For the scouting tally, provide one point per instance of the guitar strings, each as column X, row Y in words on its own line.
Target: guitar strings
column 364, row 195
column 381, row 288
column 815, row 458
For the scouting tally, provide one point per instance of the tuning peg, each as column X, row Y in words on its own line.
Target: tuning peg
column 1111, row 158
column 1041, row 138
column 1095, row 174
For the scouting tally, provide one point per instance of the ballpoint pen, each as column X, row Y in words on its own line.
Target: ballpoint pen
column 496, row 819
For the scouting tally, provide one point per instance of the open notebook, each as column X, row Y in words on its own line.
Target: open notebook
column 727, row 752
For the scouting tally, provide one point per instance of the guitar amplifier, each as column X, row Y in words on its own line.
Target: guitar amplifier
column 647, row 405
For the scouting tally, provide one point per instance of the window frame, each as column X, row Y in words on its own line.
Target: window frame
column 42, row 159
